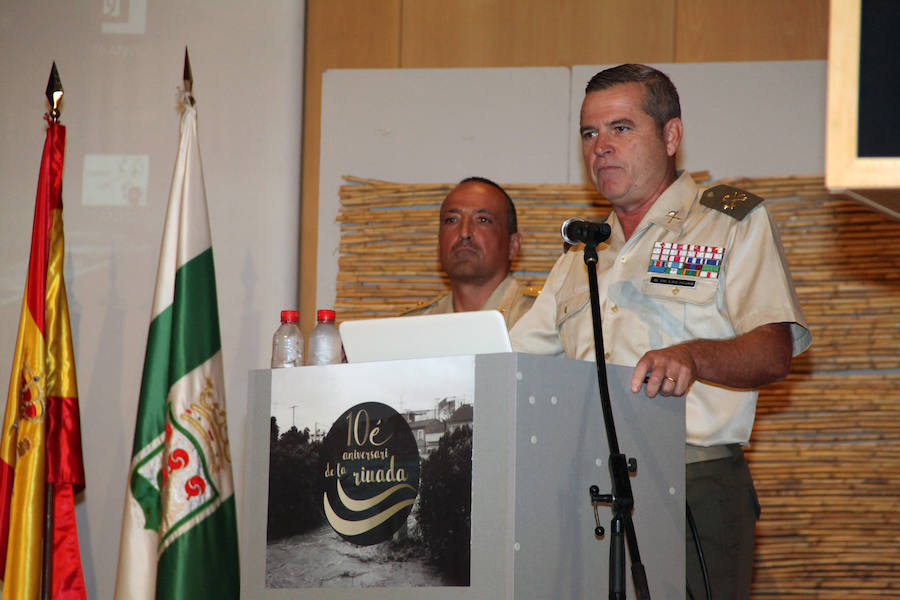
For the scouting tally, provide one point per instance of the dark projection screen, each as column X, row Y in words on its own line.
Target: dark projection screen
column 879, row 80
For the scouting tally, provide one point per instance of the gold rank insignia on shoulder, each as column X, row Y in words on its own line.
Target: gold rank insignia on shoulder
column 732, row 201
column 532, row 290
column 421, row 305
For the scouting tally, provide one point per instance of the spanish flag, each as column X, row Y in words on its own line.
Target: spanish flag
column 40, row 444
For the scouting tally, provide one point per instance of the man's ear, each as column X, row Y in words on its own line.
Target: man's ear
column 672, row 132
column 515, row 244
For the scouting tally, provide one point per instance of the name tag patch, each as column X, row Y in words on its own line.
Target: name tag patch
column 689, row 260
column 673, row 281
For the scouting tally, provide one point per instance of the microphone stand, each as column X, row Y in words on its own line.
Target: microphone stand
column 620, row 467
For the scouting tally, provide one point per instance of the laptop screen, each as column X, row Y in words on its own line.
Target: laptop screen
column 425, row 336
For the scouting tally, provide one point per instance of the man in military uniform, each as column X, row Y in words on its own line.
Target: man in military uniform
column 695, row 293
column 477, row 239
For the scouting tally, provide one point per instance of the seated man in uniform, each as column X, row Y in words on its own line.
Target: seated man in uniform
column 477, row 240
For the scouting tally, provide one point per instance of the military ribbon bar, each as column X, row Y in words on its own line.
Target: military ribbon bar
column 691, row 260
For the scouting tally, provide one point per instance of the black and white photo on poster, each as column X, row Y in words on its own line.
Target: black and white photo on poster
column 370, row 478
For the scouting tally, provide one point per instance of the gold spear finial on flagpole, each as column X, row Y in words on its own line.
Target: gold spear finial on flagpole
column 188, row 77
column 54, row 93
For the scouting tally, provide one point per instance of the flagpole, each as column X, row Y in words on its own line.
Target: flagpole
column 54, row 94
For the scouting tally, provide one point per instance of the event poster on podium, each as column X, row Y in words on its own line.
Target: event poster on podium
column 370, row 481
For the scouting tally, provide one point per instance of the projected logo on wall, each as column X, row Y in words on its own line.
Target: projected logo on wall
column 124, row 16
column 115, row 179
column 370, row 466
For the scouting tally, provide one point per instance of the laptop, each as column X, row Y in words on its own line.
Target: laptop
column 425, row 336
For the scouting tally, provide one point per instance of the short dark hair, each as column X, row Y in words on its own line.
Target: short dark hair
column 661, row 100
column 512, row 223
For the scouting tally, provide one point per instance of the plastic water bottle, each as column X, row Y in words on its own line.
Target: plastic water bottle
column 287, row 343
column 324, row 341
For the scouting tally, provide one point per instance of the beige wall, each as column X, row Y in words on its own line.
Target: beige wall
column 120, row 64
column 506, row 33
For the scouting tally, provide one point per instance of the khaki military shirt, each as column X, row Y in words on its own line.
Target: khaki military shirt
column 511, row 298
column 743, row 283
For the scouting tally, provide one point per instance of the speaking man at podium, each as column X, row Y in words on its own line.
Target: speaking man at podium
column 478, row 238
column 694, row 292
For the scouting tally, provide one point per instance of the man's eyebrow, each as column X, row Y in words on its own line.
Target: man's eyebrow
column 474, row 211
column 614, row 123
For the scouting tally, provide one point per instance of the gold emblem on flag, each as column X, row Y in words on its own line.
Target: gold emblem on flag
column 206, row 416
column 32, row 399
column 23, row 446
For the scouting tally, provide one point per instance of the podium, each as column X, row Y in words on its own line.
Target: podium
column 538, row 444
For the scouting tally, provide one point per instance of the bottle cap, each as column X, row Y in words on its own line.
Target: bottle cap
column 290, row 316
column 325, row 314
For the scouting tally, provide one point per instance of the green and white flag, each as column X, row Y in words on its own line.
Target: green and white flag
column 179, row 529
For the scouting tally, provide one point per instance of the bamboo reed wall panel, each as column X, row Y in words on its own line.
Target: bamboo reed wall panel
column 388, row 250
column 825, row 458
column 844, row 258
column 825, row 451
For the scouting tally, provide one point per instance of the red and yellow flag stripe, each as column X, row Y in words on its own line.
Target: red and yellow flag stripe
column 41, row 438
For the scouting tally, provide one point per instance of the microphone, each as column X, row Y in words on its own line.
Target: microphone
column 578, row 231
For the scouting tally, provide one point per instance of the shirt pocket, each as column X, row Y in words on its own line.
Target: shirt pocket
column 570, row 306
column 697, row 292
column 680, row 309
column 572, row 310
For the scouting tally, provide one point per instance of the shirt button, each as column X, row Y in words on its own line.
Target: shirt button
column 675, row 291
column 606, row 356
column 614, row 308
column 624, row 258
